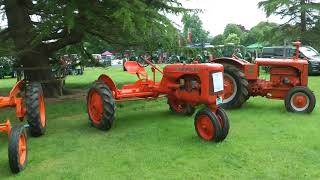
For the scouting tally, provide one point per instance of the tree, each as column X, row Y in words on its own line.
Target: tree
column 299, row 12
column 192, row 21
column 269, row 33
column 232, row 38
column 218, row 40
column 233, row 29
column 57, row 24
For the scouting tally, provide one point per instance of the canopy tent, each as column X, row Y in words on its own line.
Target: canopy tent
column 107, row 53
column 255, row 46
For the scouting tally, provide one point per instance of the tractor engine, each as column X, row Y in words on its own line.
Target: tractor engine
column 281, row 80
column 284, row 77
column 193, row 83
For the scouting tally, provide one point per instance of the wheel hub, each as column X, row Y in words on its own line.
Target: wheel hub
column 300, row 101
column 205, row 127
column 95, row 106
column 42, row 111
column 22, row 149
column 230, row 88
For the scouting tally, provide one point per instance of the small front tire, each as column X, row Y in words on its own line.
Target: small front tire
column 18, row 149
column 224, row 122
column 207, row 125
column 300, row 99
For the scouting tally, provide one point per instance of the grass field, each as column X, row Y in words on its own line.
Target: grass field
column 148, row 142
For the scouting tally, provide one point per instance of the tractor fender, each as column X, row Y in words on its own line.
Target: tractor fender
column 109, row 82
column 16, row 89
column 250, row 70
column 239, row 63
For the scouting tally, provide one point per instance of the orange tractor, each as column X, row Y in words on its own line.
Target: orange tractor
column 184, row 85
column 288, row 81
column 30, row 104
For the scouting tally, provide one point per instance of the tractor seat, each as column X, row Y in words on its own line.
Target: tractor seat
column 133, row 67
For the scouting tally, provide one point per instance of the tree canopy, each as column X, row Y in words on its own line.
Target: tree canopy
column 193, row 22
column 302, row 13
column 39, row 28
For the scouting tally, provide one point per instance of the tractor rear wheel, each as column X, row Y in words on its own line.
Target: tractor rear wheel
column 224, row 122
column 235, row 87
column 207, row 125
column 300, row 99
column 18, row 149
column 180, row 108
column 101, row 106
column 36, row 111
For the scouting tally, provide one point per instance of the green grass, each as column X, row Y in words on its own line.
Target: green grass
column 148, row 142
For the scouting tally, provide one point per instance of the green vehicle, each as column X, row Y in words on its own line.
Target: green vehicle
column 230, row 49
column 7, row 67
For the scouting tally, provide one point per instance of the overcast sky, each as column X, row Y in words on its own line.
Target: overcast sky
column 218, row 13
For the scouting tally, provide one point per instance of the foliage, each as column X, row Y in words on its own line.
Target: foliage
column 232, row 38
column 193, row 21
column 122, row 24
column 298, row 12
column 217, row 40
column 233, row 29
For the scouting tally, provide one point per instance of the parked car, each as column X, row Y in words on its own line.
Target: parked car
column 306, row 52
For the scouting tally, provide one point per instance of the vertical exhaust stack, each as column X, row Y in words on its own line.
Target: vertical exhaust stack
column 297, row 44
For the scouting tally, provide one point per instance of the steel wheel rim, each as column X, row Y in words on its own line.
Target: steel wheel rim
column 299, row 101
column 22, row 149
column 230, row 87
column 95, row 104
column 205, row 127
column 42, row 111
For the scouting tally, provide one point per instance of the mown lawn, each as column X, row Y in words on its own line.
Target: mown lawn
column 148, row 142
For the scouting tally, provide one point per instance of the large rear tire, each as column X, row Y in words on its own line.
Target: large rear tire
column 236, row 88
column 36, row 113
column 300, row 100
column 18, row 149
column 180, row 108
column 101, row 106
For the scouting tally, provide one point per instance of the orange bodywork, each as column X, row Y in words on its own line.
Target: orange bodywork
column 13, row 100
column 5, row 127
column 284, row 74
column 189, row 83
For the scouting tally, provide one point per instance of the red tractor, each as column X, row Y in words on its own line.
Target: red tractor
column 30, row 104
column 288, row 81
column 184, row 85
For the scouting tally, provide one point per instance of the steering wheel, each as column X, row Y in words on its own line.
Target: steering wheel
column 142, row 61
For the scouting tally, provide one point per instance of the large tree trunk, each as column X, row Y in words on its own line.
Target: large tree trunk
column 303, row 25
column 32, row 56
column 36, row 67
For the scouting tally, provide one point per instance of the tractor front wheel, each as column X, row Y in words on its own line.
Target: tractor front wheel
column 18, row 149
column 224, row 122
column 180, row 108
column 235, row 87
column 36, row 111
column 101, row 106
column 207, row 125
column 300, row 100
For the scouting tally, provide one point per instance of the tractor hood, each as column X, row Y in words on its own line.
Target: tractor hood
column 193, row 68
